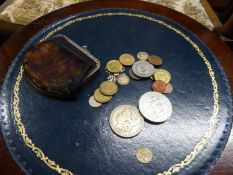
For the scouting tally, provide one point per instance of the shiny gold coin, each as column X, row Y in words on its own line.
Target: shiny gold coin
column 114, row 66
column 144, row 154
column 127, row 59
column 162, row 74
column 108, row 88
column 101, row 98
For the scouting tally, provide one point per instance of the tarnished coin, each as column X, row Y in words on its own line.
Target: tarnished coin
column 142, row 56
column 143, row 69
column 133, row 76
column 155, row 107
column 114, row 66
column 123, row 79
column 155, row 60
column 168, row 89
column 127, row 59
column 159, row 86
column 108, row 88
column 93, row 103
column 144, row 154
column 101, row 98
column 162, row 74
column 126, row 121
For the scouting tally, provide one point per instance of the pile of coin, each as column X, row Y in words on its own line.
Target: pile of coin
column 128, row 121
column 149, row 66
column 108, row 88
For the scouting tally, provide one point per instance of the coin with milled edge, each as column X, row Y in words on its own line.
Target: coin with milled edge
column 155, row 107
column 144, row 154
column 133, row 76
column 127, row 59
column 143, row 69
column 126, row 121
column 123, row 79
column 114, row 66
column 101, row 98
column 93, row 103
column 108, row 88
column 162, row 74
column 142, row 56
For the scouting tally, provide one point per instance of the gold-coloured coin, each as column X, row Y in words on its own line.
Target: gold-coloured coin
column 108, row 88
column 114, row 66
column 162, row 74
column 127, row 59
column 101, row 98
column 144, row 154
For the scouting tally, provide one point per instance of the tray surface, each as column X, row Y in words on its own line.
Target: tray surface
column 47, row 136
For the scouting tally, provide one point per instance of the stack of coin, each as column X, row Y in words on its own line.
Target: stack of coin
column 109, row 88
column 161, row 84
column 103, row 94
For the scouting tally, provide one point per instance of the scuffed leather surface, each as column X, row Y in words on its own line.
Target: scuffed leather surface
column 79, row 137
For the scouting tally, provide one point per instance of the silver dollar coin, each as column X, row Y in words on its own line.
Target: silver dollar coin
column 143, row 69
column 126, row 121
column 93, row 103
column 155, row 107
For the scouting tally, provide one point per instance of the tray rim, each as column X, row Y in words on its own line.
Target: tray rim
column 189, row 31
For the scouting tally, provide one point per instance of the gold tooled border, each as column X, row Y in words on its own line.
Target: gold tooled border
column 175, row 168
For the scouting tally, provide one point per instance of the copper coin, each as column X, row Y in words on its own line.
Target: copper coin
column 133, row 76
column 155, row 60
column 168, row 89
column 159, row 86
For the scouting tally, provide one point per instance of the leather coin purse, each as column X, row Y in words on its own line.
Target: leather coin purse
column 58, row 67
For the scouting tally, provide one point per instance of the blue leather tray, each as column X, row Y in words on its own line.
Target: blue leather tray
column 47, row 136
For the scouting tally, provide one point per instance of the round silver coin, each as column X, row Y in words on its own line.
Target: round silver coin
column 93, row 103
column 126, row 121
column 123, row 79
column 142, row 56
column 155, row 107
column 143, row 69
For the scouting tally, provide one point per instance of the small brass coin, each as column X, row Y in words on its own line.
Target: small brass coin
column 162, row 74
column 155, row 60
column 127, row 59
column 143, row 69
column 123, row 79
column 142, row 56
column 101, row 98
column 114, row 66
column 144, row 154
column 108, row 88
